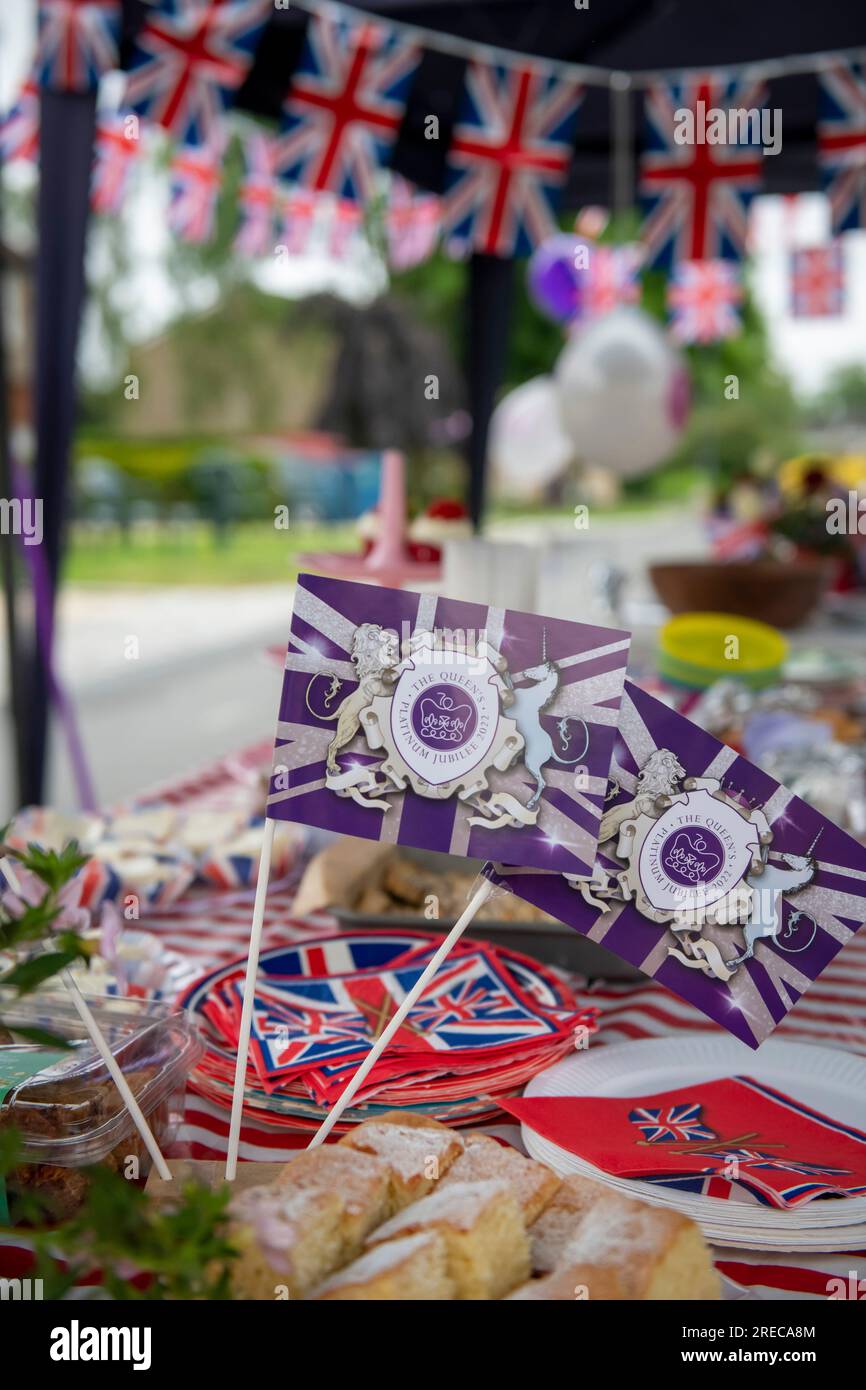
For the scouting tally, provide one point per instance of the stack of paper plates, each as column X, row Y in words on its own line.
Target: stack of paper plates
column 830, row 1081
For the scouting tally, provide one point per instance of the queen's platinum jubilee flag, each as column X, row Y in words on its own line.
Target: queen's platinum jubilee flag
column 452, row 726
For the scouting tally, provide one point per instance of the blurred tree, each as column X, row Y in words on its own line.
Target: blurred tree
column 843, row 399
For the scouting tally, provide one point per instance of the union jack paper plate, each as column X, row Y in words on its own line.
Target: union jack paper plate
column 821, row 1078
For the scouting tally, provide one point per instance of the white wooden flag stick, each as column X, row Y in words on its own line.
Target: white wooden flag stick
column 98, row 1040
column 117, row 1075
column 249, row 996
column 480, row 896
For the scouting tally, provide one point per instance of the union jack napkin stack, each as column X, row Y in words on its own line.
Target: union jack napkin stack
column 737, row 1139
column 446, row 725
column 711, row 877
column 489, row 1020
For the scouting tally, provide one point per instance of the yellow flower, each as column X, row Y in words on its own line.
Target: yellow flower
column 799, row 476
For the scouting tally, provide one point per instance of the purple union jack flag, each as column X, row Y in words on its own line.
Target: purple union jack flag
column 189, row 61
column 509, row 158
column 343, row 110
column 696, row 195
column 842, row 143
column 78, row 42
column 680, row 1124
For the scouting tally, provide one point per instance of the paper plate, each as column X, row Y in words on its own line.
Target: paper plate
column 821, row 1077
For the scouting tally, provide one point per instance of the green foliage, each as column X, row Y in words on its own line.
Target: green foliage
column 54, row 867
column 180, row 1249
column 37, row 922
column 843, row 399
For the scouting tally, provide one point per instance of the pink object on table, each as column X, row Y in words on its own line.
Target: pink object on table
column 389, row 562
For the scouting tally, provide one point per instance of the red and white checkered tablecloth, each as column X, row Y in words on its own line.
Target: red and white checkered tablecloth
column 213, row 928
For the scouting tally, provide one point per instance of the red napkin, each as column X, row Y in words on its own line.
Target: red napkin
column 724, row 1138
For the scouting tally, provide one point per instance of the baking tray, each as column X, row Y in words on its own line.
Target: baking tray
column 551, row 942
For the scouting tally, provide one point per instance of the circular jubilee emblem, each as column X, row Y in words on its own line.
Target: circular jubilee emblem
column 692, row 856
column 443, row 717
column 695, row 853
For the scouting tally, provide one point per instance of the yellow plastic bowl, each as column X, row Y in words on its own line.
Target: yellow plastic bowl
column 723, row 644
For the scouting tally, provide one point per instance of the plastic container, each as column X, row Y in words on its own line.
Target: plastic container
column 65, row 1106
column 696, row 650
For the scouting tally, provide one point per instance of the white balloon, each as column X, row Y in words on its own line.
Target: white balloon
column 527, row 445
column 623, row 392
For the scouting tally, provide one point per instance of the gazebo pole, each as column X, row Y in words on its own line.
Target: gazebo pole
column 491, row 282
column 65, row 157
column 7, row 552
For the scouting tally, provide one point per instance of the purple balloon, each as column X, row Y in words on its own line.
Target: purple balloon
column 554, row 281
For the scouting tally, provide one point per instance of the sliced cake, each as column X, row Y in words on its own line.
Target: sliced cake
column 575, row 1284
column 289, row 1241
column 533, row 1185
column 363, row 1184
column 415, row 1267
column 655, row 1253
column 417, row 1150
column 483, row 1230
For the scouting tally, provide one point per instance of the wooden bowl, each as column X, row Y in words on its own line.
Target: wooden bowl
column 781, row 594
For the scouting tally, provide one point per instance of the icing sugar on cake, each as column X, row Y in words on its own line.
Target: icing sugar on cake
column 456, row 1205
column 350, row 1173
column 278, row 1217
column 405, row 1148
column 379, row 1260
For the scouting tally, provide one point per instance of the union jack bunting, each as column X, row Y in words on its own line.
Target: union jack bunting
column 678, row 1124
column 508, row 158
column 344, row 223
column 842, row 142
column 299, row 210
column 818, row 281
column 702, row 297
column 343, row 109
column 19, row 128
column 116, row 152
column 259, row 198
column 78, row 42
column 696, row 195
column 188, row 63
column 612, row 279
column 411, row 225
column 195, row 176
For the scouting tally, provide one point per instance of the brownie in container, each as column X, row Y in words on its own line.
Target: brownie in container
column 69, row 1114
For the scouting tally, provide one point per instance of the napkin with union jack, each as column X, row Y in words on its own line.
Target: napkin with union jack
column 711, row 877
column 737, row 1138
column 473, row 1019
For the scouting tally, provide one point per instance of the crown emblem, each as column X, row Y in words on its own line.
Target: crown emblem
column 691, row 857
column 739, row 797
column 442, row 720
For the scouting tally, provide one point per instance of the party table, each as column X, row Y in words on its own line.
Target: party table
column 211, row 927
